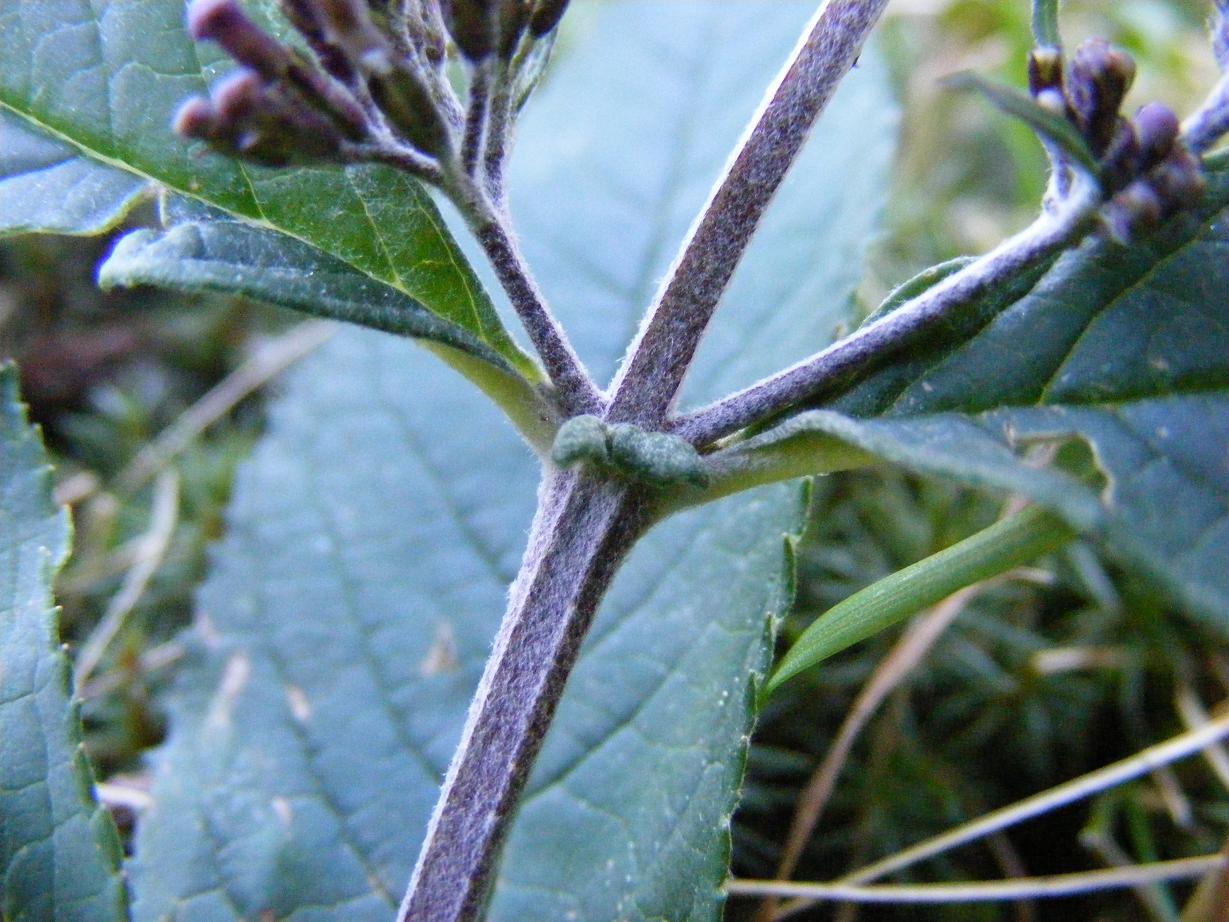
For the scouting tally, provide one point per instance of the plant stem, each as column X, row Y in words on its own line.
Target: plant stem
column 649, row 380
column 583, row 529
column 576, row 391
column 876, row 341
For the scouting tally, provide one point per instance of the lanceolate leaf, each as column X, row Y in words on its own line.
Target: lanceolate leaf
column 59, row 850
column 106, row 77
column 1124, row 349
column 47, row 186
column 353, row 602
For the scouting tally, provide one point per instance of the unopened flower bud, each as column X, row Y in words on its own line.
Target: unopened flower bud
column 240, row 96
column 1099, row 78
column 546, row 16
column 405, row 100
column 472, row 26
column 305, row 16
column 1178, row 180
column 1157, row 127
column 1045, row 70
column 513, row 18
column 348, row 25
column 1121, row 161
column 224, row 22
column 1134, row 208
column 196, row 118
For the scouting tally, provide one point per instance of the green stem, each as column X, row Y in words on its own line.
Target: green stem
column 1045, row 24
column 1005, row 544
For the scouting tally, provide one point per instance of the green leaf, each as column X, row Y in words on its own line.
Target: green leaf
column 1048, row 125
column 59, row 849
column 203, row 250
column 1122, row 349
column 46, row 186
column 106, row 77
column 353, row 602
column 1008, row 543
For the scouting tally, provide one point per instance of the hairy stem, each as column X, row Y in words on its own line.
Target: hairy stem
column 871, row 344
column 650, row 378
column 576, row 391
column 583, row 529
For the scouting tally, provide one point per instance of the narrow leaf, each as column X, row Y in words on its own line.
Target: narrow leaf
column 1049, row 125
column 59, row 850
column 994, row 550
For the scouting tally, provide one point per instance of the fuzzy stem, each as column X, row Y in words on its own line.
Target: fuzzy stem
column 649, row 379
column 583, row 529
column 576, row 390
column 873, row 343
column 1210, row 122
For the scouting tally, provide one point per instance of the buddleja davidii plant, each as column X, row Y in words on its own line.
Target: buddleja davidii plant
column 376, row 90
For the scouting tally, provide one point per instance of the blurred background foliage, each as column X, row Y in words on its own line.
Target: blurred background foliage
column 1050, row 673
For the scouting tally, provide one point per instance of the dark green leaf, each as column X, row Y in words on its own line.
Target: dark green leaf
column 202, row 249
column 1122, row 349
column 353, row 602
column 106, row 77
column 58, row 847
column 47, row 186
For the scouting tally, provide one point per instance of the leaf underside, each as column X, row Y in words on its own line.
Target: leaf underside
column 59, row 850
column 1123, row 349
column 103, row 79
column 352, row 604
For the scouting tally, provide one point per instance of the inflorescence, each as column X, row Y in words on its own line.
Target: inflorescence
column 1146, row 172
column 368, row 82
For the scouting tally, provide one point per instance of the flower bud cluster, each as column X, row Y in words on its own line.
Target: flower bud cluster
column 371, row 84
column 1146, row 172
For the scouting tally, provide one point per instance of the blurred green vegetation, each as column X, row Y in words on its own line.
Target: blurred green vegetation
column 1057, row 671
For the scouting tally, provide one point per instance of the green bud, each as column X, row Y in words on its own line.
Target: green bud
column 655, row 458
column 581, row 438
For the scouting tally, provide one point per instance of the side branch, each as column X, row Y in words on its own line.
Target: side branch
column 650, row 378
column 876, row 341
column 576, row 391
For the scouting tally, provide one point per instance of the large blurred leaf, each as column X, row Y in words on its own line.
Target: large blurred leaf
column 106, row 76
column 58, row 848
column 373, row 536
column 47, row 186
column 1123, row 349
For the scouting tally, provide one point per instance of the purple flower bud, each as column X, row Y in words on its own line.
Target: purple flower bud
column 1158, row 128
column 224, row 22
column 1178, row 180
column 1134, row 208
column 240, row 96
column 472, row 26
column 1045, row 70
column 513, row 18
column 1121, row 161
column 348, row 25
column 196, row 118
column 546, row 16
column 1099, row 78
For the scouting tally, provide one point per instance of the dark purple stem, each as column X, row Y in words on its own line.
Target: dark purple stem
column 649, row 380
